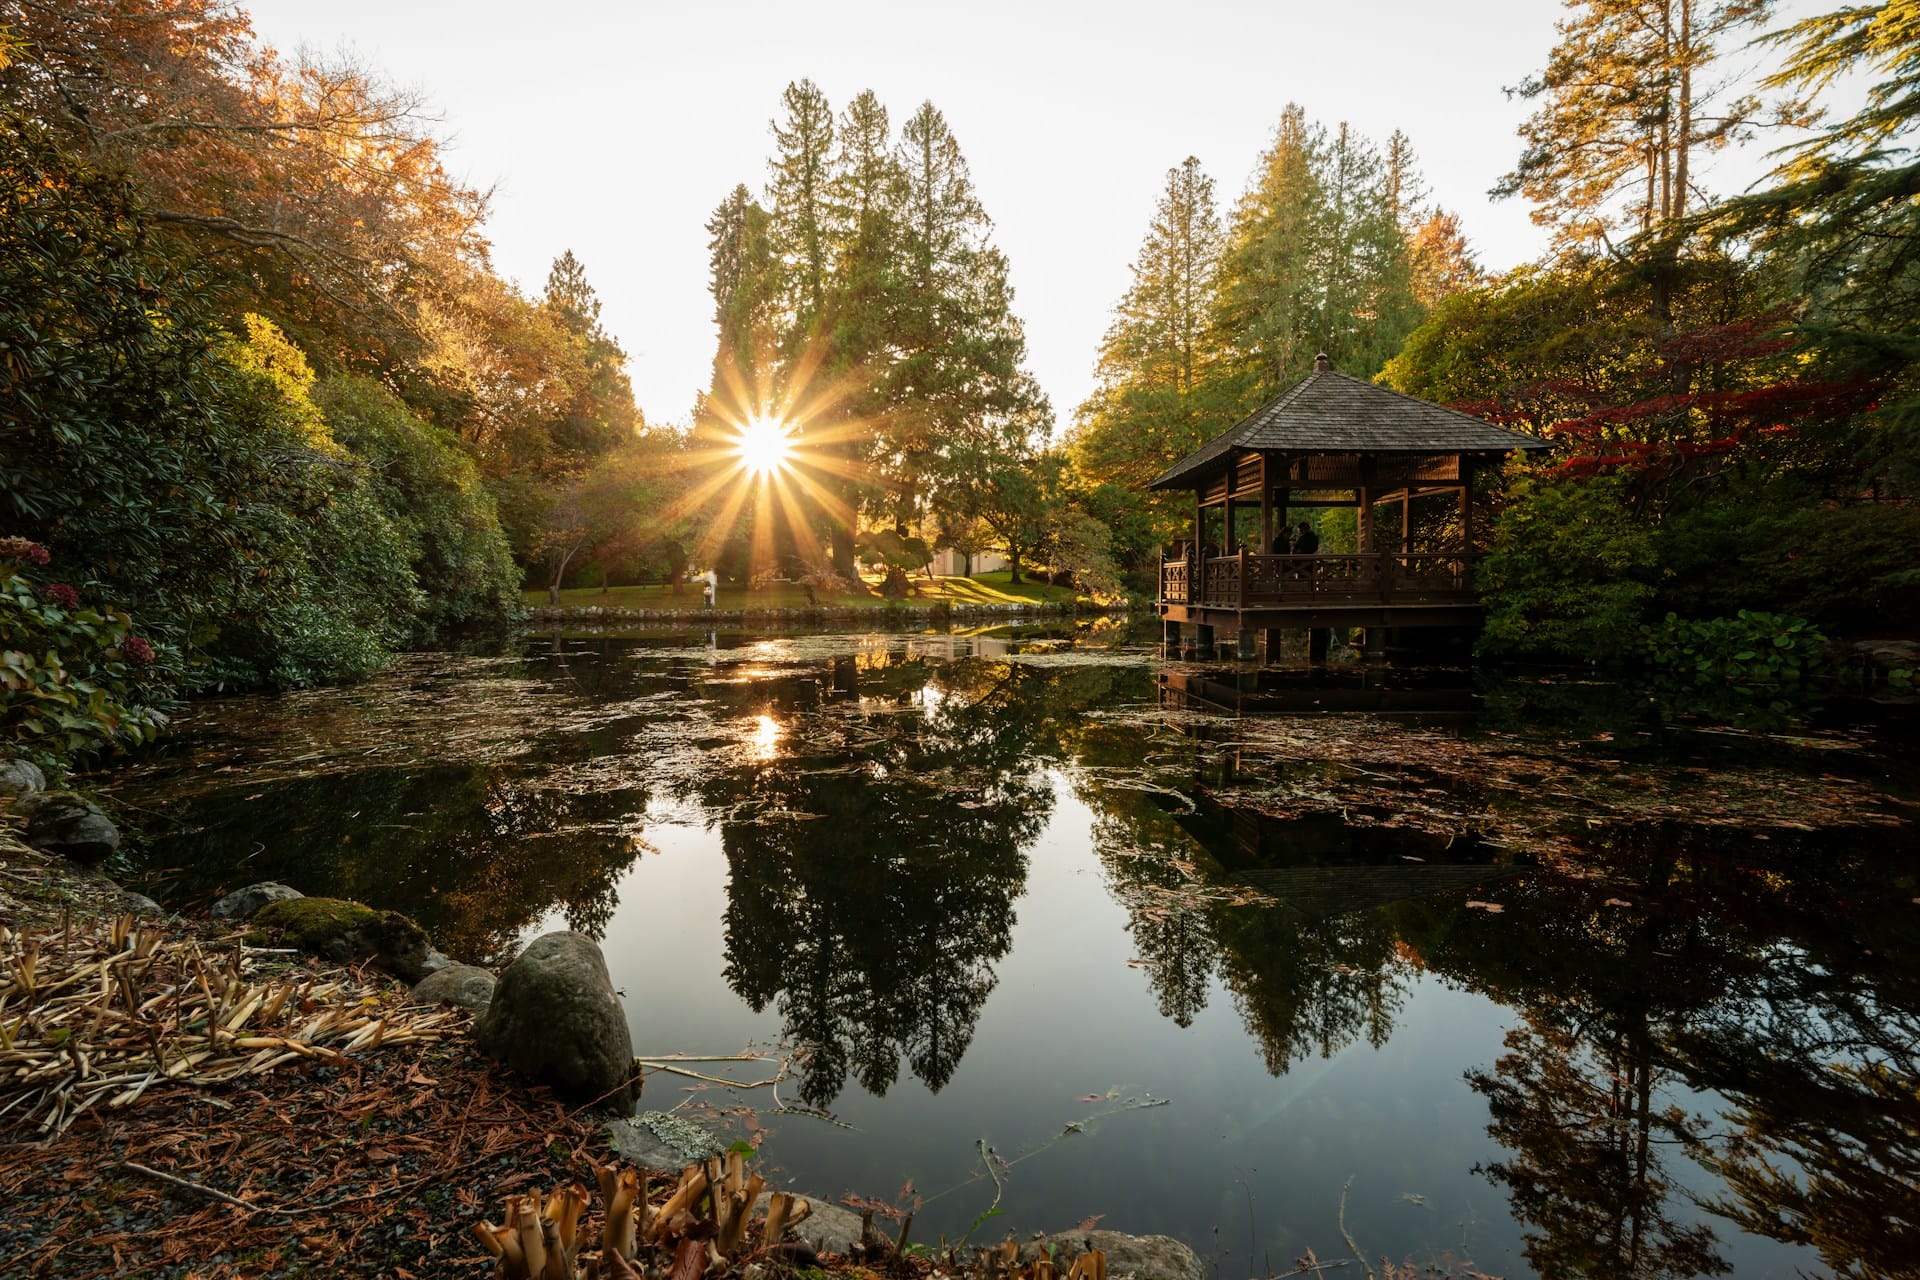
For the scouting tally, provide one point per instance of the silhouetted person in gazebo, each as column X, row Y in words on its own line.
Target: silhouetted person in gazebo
column 1305, row 542
column 1283, row 541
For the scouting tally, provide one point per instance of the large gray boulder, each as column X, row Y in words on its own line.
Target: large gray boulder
column 66, row 824
column 1144, row 1257
column 20, row 777
column 466, row 985
column 242, row 903
column 554, row 1017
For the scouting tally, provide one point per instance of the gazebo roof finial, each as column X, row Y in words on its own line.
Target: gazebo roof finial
column 1321, row 364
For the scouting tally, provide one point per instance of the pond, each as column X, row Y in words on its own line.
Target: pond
column 1522, row 976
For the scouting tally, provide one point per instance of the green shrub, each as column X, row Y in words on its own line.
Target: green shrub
column 433, row 494
column 1565, row 576
column 73, row 679
column 1749, row 650
column 181, row 470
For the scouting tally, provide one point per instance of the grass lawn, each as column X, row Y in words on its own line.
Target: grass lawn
column 986, row 588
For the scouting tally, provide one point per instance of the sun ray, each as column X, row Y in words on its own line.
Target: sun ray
column 716, row 536
column 832, row 503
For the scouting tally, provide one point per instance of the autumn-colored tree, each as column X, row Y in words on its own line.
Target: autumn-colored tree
column 313, row 189
column 1628, row 102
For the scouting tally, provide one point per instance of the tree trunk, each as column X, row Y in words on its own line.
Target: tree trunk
column 1684, row 109
column 840, row 541
column 1013, row 566
column 559, row 576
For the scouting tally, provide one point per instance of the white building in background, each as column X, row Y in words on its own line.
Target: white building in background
column 949, row 563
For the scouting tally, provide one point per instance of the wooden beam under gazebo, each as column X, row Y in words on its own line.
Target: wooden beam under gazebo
column 1331, row 441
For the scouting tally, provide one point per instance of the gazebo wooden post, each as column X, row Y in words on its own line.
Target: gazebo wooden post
column 1466, row 523
column 1227, row 531
column 1266, row 509
column 1406, row 520
column 1466, row 507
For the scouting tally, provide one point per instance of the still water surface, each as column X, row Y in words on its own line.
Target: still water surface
column 1525, row 978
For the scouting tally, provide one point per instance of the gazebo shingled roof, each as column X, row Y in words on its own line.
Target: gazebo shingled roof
column 1331, row 413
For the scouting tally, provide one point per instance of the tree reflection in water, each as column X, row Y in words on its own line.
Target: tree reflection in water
column 1684, row 993
column 873, row 870
column 1584, row 1173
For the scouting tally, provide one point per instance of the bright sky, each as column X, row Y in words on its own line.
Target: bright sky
column 614, row 128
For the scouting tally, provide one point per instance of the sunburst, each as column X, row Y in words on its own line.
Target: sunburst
column 764, row 445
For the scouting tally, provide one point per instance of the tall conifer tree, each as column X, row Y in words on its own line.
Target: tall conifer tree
column 799, row 192
column 1150, row 407
column 1628, row 102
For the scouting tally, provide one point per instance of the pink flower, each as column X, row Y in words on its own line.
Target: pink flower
column 138, row 651
column 61, row 594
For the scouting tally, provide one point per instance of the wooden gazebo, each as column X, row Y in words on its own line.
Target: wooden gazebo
column 1330, row 441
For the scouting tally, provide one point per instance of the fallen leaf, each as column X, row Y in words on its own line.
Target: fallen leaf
column 1618, row 902
column 1491, row 907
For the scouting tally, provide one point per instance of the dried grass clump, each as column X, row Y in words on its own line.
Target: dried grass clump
column 97, row 1014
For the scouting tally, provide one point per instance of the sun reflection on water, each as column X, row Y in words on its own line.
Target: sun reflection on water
column 765, row 738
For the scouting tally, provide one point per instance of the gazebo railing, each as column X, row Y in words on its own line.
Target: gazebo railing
column 1247, row 580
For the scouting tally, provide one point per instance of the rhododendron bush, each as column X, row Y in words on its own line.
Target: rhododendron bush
column 73, row 679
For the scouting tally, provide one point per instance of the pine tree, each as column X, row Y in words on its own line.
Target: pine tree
column 799, row 194
column 1148, row 408
column 849, row 414
column 601, row 413
column 1316, row 260
column 1268, row 308
column 570, row 297
column 1843, row 213
column 745, row 281
column 1626, row 106
column 964, row 417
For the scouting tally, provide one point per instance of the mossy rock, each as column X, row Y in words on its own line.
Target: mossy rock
column 314, row 924
column 349, row 933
